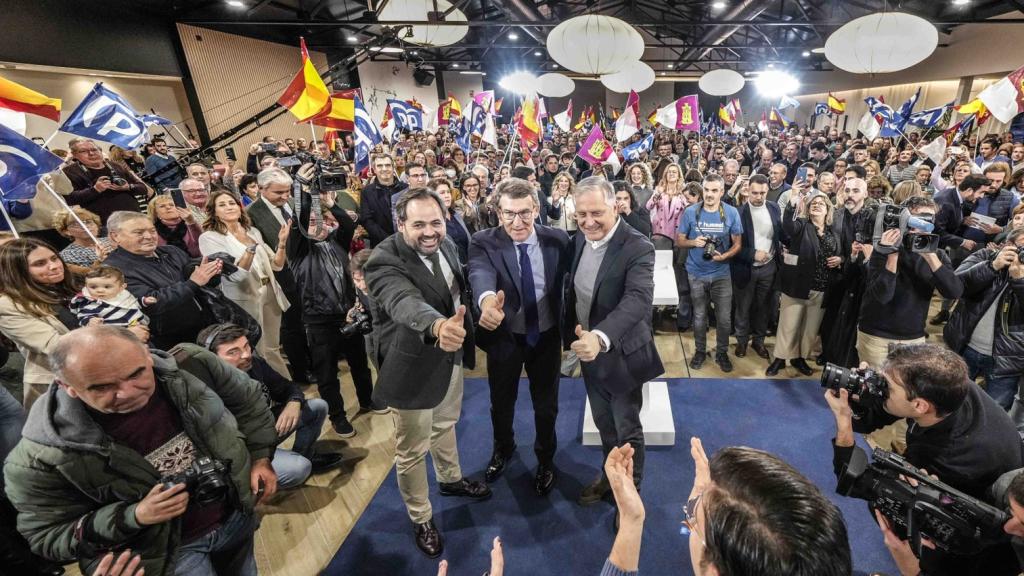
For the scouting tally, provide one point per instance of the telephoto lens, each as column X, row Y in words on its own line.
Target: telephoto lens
column 863, row 383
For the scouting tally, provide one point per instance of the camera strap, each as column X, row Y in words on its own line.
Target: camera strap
column 315, row 217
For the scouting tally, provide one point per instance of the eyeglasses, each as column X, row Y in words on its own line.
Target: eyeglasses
column 510, row 216
column 690, row 519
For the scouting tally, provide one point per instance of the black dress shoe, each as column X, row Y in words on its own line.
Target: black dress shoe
column 497, row 465
column 801, row 365
column 760, row 350
column 544, row 480
column 326, row 461
column 467, row 488
column 774, row 367
column 698, row 360
column 310, row 378
column 723, row 362
column 595, row 492
column 428, row 539
column 741, row 350
column 939, row 319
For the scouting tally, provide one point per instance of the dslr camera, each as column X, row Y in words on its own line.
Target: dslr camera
column 955, row 522
column 361, row 324
column 710, row 247
column 118, row 181
column 866, row 384
column 206, row 480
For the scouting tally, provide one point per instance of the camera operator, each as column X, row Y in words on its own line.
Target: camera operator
column 166, row 455
column 100, row 186
column 993, row 291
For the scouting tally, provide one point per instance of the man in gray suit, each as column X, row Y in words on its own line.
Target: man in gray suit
column 426, row 336
column 607, row 322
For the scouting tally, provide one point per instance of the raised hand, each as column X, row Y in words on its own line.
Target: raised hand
column 492, row 311
column 588, row 345
column 451, row 332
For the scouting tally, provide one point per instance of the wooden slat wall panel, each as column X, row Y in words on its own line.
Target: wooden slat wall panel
column 236, row 76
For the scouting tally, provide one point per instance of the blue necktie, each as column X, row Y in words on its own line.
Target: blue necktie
column 526, row 288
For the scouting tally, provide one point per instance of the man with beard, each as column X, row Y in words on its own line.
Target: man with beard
column 375, row 207
column 753, row 269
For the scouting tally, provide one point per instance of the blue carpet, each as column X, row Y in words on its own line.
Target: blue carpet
column 553, row 535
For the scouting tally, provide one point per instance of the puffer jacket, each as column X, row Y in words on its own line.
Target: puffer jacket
column 320, row 268
column 76, row 489
column 982, row 284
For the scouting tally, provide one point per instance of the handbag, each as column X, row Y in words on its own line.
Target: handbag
column 222, row 310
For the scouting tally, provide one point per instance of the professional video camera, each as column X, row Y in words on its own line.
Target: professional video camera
column 886, row 217
column 711, row 245
column 329, row 177
column 206, row 480
column 953, row 521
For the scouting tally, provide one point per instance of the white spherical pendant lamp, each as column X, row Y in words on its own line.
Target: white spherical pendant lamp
column 555, row 85
column 635, row 76
column 426, row 34
column 884, row 42
column 722, row 82
column 595, row 45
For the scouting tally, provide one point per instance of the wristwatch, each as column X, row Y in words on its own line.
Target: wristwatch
column 251, row 249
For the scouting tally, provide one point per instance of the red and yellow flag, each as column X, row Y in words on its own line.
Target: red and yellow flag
column 14, row 96
column 307, row 96
column 836, row 105
column 497, row 105
column 529, row 123
column 341, row 114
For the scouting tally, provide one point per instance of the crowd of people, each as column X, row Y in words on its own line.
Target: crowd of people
column 220, row 291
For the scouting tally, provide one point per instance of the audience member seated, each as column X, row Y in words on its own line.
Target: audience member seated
column 103, row 461
column 175, row 226
column 100, row 186
column 163, row 273
column 293, row 412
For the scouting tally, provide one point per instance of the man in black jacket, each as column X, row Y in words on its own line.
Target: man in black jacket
column 100, row 186
column 754, row 267
column 980, row 326
column 957, row 432
column 375, row 201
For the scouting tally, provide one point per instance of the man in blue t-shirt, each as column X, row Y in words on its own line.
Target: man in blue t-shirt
column 711, row 222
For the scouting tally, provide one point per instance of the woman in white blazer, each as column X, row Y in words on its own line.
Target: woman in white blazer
column 253, row 286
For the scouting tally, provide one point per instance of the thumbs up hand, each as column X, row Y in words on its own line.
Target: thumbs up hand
column 492, row 311
column 451, row 333
column 588, row 345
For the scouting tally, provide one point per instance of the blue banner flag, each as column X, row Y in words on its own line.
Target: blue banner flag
column 406, row 116
column 891, row 122
column 908, row 107
column 821, row 108
column 105, row 115
column 462, row 135
column 477, row 119
column 634, row 150
column 928, row 118
column 788, row 102
column 367, row 136
column 22, row 162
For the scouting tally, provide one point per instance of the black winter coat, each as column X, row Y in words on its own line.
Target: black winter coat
column 798, row 279
column 321, row 268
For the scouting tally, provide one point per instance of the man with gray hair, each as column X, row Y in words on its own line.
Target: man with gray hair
column 607, row 322
column 100, row 186
column 104, row 454
column 164, row 274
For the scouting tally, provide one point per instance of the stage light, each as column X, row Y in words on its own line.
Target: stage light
column 236, row 3
column 719, row 5
column 352, row 39
column 961, row 2
column 805, row 53
column 536, row 53
column 473, row 72
column 513, row 36
column 670, row 65
column 520, row 83
column 388, row 49
column 775, row 83
column 455, row 65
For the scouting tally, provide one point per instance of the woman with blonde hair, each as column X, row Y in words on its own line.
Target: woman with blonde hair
column 174, row 226
column 253, row 285
column 83, row 252
column 564, row 185
column 904, row 190
column 666, row 205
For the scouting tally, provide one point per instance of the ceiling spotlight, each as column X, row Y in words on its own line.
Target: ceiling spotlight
column 352, row 39
column 771, row 64
column 473, row 73
column 662, row 73
column 415, row 52
column 776, row 83
column 388, row 49
column 670, row 65
column 236, row 3
column 513, row 36
column 718, row 5
column 519, row 82
column 536, row 52
column 455, row 65
column 961, row 2
column 818, row 50
column 805, row 53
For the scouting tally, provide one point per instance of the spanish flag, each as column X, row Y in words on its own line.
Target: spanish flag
column 583, row 120
column 652, row 118
column 529, row 123
column 976, row 107
column 341, row 114
column 836, row 105
column 307, row 96
column 16, row 97
column 725, row 116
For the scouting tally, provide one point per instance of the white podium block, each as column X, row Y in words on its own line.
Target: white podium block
column 655, row 416
column 665, row 290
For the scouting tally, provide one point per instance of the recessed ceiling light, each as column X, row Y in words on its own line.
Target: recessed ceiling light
column 513, row 36
column 473, row 72
column 352, row 39
column 718, row 5
column 671, row 65
column 388, row 49
column 455, row 65
column 536, row 52
column 415, row 52
column 960, row 2
column 236, row 3
column 662, row 73
column 805, row 53
column 554, row 66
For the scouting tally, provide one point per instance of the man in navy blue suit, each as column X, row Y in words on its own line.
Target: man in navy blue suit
column 517, row 271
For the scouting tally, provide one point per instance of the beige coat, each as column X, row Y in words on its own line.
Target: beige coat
column 35, row 337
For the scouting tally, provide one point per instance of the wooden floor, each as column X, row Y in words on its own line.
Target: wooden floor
column 303, row 528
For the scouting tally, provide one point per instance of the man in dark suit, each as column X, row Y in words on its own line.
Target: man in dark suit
column 375, row 200
column 754, row 267
column 949, row 218
column 426, row 337
column 268, row 214
column 517, row 271
column 607, row 322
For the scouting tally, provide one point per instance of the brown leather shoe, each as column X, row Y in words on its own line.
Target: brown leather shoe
column 428, row 539
column 760, row 350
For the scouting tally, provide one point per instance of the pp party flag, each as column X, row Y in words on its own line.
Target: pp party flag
column 105, row 115
column 889, row 120
column 681, row 114
column 908, row 107
column 307, row 95
column 22, row 162
column 366, row 135
column 788, row 102
column 836, row 105
column 14, row 96
column 960, row 130
column 597, row 150
column 928, row 118
column 1005, row 99
column 485, row 99
column 629, row 122
column 477, row 119
column 564, row 119
column 341, row 114
column 821, row 108
column 490, row 135
column 406, row 115
column 636, row 149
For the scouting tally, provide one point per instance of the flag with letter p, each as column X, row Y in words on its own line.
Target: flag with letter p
column 22, row 162
column 105, row 115
column 634, row 150
column 366, row 134
column 821, row 108
column 928, row 118
column 406, row 116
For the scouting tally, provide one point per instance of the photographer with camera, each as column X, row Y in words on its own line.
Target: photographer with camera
column 957, row 432
column 165, row 454
column 991, row 303
column 100, row 186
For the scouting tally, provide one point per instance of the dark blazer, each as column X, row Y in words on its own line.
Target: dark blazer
column 796, row 281
column 640, row 219
column 416, row 373
column 494, row 265
column 949, row 218
column 623, row 300
column 741, row 264
column 266, row 223
column 547, row 210
column 375, row 209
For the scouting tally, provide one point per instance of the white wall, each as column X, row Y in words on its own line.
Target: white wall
column 382, row 80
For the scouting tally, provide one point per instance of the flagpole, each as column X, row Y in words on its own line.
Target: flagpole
column 50, row 138
column 182, row 134
column 312, row 130
column 70, row 211
column 7, row 217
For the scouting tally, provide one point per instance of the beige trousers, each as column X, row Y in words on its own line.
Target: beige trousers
column 873, row 350
column 418, row 432
column 267, row 313
column 799, row 321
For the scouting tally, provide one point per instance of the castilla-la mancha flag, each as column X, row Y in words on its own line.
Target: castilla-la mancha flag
column 597, row 150
column 307, row 95
column 681, row 114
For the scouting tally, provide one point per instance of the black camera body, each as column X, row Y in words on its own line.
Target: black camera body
column 711, row 245
column 118, row 181
column 269, row 148
column 361, row 324
column 955, row 522
column 206, row 480
column 894, row 217
column 864, row 383
column 1020, row 254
